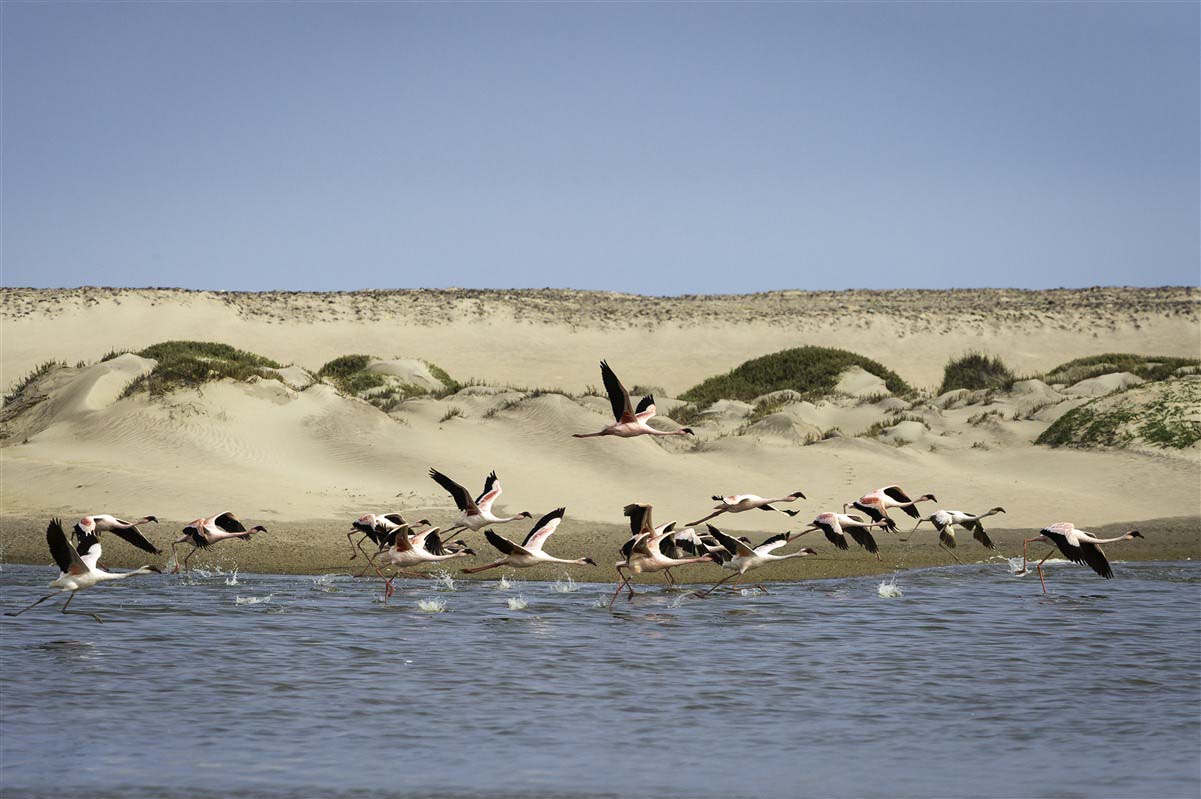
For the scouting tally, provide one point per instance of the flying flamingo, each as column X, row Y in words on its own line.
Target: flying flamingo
column 835, row 526
column 1078, row 546
column 647, row 551
column 424, row 547
column 79, row 569
column 529, row 552
column 740, row 556
column 98, row 523
column 381, row 529
column 203, row 533
column 945, row 522
column 737, row 503
column 475, row 514
column 630, row 421
column 876, row 504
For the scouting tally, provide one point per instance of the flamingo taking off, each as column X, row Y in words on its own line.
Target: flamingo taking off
column 630, row 421
column 876, row 504
column 79, row 569
column 945, row 521
column 1078, row 546
column 649, row 549
column 98, row 523
column 424, row 547
column 836, row 527
column 737, row 503
column 203, row 533
column 381, row 529
column 529, row 552
column 475, row 514
column 740, row 556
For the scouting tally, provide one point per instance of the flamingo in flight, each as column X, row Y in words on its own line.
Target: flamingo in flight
column 529, row 552
column 836, row 527
column 740, row 556
column 475, row 514
column 630, row 421
column 424, row 547
column 875, row 505
column 650, row 549
column 945, row 521
column 1078, row 546
column 203, row 533
column 737, row 503
column 79, row 569
column 97, row 523
column 381, row 529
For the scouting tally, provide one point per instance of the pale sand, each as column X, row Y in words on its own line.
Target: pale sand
column 279, row 457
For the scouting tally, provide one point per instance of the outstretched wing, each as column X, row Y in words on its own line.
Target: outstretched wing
column 979, row 534
column 1095, row 558
column 543, row 529
column 773, row 543
column 619, row 398
column 65, row 556
column 505, row 546
column 228, row 523
column 639, row 514
column 646, row 408
column 947, row 536
column 731, row 544
column 875, row 514
column 832, row 535
column 134, row 536
column 430, row 541
column 895, row 493
column 490, row 493
column 457, row 492
column 863, row 538
column 395, row 518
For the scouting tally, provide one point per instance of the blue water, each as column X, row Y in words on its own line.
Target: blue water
column 970, row 683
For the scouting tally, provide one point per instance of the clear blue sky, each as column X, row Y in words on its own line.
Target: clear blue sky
column 664, row 149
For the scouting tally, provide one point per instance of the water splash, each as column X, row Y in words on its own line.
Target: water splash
column 252, row 600
column 444, row 580
column 1015, row 565
column 232, row 579
column 566, row 585
column 517, row 603
column 890, row 589
column 504, row 583
column 431, row 605
column 325, row 583
column 753, row 591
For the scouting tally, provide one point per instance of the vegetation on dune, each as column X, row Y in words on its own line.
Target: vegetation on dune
column 24, row 383
column 1118, row 420
column 450, row 385
column 349, row 374
column 188, row 364
column 975, row 371
column 811, row 371
column 1148, row 367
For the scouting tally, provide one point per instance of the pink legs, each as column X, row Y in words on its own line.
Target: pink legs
column 623, row 581
column 79, row 612
column 34, row 605
column 1041, row 578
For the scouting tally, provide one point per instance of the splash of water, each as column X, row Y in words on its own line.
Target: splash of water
column 890, row 589
column 1015, row 565
column 504, row 583
column 252, row 600
column 232, row 579
column 445, row 580
column 517, row 603
column 431, row 605
column 566, row 585
column 324, row 583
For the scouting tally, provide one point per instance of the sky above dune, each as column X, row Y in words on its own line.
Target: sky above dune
column 660, row 149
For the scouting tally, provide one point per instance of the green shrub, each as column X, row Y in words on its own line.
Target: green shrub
column 1164, row 420
column 188, row 364
column 811, row 371
column 40, row 370
column 975, row 371
column 1148, row 367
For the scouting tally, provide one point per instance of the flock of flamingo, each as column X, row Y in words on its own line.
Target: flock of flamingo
column 649, row 549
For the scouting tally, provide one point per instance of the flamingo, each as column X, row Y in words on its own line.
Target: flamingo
column 945, row 521
column 876, row 504
column 381, row 529
column 1078, row 546
column 836, row 525
column 98, row 523
column 648, row 549
column 740, row 556
column 79, row 569
column 203, row 533
column 424, row 547
column 737, row 503
column 529, row 552
column 630, row 421
column 475, row 514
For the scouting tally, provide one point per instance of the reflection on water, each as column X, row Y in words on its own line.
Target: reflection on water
column 265, row 686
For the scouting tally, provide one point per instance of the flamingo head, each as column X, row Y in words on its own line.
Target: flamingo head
column 525, row 514
column 466, row 550
column 589, row 561
column 797, row 495
column 930, row 497
column 151, row 519
column 258, row 528
column 423, row 521
column 1134, row 534
column 154, row 569
column 998, row 510
column 687, row 431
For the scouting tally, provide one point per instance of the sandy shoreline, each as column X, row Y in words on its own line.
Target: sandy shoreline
column 319, row 546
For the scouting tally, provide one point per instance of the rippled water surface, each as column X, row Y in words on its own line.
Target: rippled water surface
column 955, row 681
